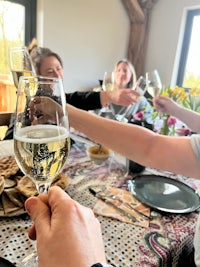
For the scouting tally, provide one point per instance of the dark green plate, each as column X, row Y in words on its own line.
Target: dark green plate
column 164, row 194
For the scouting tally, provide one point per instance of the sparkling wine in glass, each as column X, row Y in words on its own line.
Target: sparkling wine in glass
column 20, row 63
column 153, row 83
column 108, row 81
column 41, row 131
column 107, row 85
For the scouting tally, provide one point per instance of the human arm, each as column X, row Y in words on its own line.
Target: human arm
column 96, row 100
column 122, row 97
column 170, row 107
column 138, row 144
column 68, row 234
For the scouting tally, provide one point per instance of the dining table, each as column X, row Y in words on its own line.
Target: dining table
column 167, row 239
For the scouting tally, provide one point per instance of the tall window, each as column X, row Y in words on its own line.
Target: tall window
column 17, row 27
column 189, row 66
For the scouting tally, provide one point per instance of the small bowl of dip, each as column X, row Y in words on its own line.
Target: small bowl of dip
column 98, row 153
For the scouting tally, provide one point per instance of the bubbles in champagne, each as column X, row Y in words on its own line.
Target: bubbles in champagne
column 41, row 152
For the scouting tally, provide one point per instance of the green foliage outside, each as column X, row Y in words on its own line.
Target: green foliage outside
column 4, row 54
column 8, row 23
column 191, row 81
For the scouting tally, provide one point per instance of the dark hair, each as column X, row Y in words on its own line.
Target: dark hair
column 132, row 69
column 38, row 54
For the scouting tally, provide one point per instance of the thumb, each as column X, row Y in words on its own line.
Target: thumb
column 39, row 213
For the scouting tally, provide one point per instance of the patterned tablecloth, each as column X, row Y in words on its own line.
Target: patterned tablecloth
column 166, row 242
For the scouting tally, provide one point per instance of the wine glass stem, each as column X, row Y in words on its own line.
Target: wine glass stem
column 43, row 188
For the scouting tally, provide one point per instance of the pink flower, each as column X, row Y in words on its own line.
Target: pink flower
column 187, row 132
column 183, row 131
column 139, row 115
column 171, row 121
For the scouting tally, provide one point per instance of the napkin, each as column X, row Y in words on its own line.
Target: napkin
column 125, row 201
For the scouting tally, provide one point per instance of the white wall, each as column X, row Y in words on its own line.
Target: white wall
column 165, row 26
column 89, row 35
column 92, row 35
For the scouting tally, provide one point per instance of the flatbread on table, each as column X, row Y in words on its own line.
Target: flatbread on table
column 15, row 196
column 8, row 205
column 61, row 180
column 15, row 187
column 9, row 183
column 8, row 166
column 26, row 187
column 2, row 184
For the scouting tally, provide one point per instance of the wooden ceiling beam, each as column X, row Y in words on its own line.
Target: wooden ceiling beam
column 134, row 11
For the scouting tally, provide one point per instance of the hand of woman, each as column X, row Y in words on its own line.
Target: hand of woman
column 67, row 233
column 122, row 97
column 165, row 104
column 38, row 114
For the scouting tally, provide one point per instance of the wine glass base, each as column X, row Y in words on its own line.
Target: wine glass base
column 30, row 261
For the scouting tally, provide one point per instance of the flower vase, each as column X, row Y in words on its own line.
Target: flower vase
column 165, row 127
column 168, row 126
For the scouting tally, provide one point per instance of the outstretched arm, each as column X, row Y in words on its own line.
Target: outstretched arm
column 96, row 100
column 137, row 143
column 168, row 106
column 122, row 97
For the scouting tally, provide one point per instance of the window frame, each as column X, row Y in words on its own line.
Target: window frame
column 186, row 44
column 30, row 18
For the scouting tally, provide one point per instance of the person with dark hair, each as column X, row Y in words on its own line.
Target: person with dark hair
column 48, row 63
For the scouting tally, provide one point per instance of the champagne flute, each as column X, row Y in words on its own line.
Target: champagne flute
column 140, row 87
column 20, row 63
column 41, row 130
column 107, row 85
column 108, row 81
column 153, row 83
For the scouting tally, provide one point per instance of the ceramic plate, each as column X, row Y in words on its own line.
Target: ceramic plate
column 164, row 194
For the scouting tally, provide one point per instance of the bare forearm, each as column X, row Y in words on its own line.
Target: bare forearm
column 138, row 143
column 189, row 117
column 115, row 135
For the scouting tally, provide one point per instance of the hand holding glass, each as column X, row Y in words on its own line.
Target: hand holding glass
column 153, row 83
column 41, row 132
column 108, row 85
column 108, row 81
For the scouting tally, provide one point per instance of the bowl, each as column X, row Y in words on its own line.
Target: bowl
column 98, row 156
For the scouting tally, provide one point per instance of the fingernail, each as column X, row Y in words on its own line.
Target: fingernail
column 30, row 203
